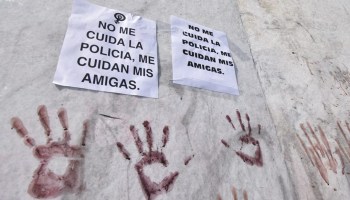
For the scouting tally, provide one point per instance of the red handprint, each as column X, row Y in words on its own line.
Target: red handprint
column 150, row 188
column 247, row 138
column 45, row 183
column 317, row 151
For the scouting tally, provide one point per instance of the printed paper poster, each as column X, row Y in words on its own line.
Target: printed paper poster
column 109, row 50
column 201, row 57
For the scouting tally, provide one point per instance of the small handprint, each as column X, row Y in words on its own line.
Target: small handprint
column 45, row 183
column 150, row 188
column 247, row 138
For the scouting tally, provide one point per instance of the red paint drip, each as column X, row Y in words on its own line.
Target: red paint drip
column 137, row 139
column 123, row 151
column 240, row 120
column 85, row 131
column 165, row 138
column 305, row 149
column 62, row 115
column 188, row 159
column 308, row 138
column 22, row 131
column 44, row 119
column 249, row 127
column 149, row 133
column 252, row 160
column 228, row 118
column 225, row 143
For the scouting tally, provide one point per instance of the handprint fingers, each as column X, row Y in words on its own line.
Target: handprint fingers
column 149, row 136
column 123, row 151
column 228, row 118
column 84, row 132
column 62, row 115
column 240, row 120
column 45, row 121
column 152, row 157
column 17, row 124
column 249, row 127
column 137, row 139
column 165, row 137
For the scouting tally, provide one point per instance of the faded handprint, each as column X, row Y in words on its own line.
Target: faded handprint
column 150, row 188
column 45, row 183
column 234, row 194
column 247, row 138
column 317, row 150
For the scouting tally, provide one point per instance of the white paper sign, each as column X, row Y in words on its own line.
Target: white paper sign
column 109, row 50
column 201, row 57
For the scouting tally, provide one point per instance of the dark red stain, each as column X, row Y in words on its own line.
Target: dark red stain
column 251, row 160
column 123, row 151
column 230, row 121
column 137, row 139
column 22, row 131
column 225, row 143
column 165, row 138
column 45, row 183
column 149, row 187
column 188, row 159
column 44, row 120
column 85, row 132
column 255, row 159
column 149, row 133
column 240, row 120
